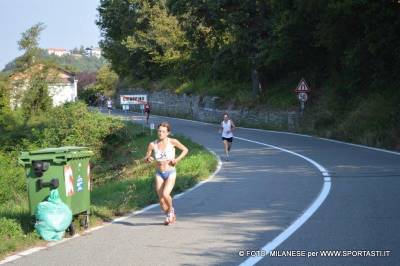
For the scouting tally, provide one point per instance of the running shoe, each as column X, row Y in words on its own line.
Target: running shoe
column 172, row 216
column 167, row 221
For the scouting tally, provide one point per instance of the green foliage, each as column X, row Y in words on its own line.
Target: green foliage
column 150, row 41
column 121, row 180
column 15, row 228
column 373, row 120
column 73, row 63
column 376, row 116
column 223, row 40
column 346, row 50
column 9, row 228
column 29, row 43
column 4, row 97
column 12, row 177
column 88, row 95
column 36, row 99
column 69, row 125
column 105, row 84
column 77, row 63
column 160, row 36
column 30, row 38
column 106, row 81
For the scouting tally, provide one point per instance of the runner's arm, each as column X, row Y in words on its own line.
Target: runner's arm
column 232, row 126
column 180, row 146
column 148, row 158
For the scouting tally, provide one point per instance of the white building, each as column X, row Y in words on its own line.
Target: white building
column 65, row 89
column 96, row 52
column 90, row 51
column 62, row 85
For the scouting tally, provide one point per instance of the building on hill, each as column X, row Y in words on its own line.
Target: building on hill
column 90, row 51
column 58, row 51
column 62, row 84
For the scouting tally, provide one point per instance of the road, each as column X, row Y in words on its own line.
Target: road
column 266, row 195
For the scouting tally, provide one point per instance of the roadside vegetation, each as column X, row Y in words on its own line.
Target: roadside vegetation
column 253, row 54
column 121, row 181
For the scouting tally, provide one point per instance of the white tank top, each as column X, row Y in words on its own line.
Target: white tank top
column 227, row 129
column 167, row 154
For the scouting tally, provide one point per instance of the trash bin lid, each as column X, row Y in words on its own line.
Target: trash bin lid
column 57, row 155
column 59, row 150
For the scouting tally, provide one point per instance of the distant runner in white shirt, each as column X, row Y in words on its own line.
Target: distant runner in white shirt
column 227, row 128
column 109, row 105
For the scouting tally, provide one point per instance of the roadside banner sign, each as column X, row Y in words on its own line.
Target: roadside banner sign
column 133, row 99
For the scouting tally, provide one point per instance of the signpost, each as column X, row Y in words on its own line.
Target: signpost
column 302, row 91
column 134, row 99
column 152, row 127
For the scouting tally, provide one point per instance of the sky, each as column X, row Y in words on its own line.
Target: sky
column 69, row 24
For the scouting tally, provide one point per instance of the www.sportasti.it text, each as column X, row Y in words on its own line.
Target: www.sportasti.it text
column 316, row 253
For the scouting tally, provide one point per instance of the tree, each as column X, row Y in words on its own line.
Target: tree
column 106, row 81
column 35, row 96
column 141, row 39
column 85, row 79
column 231, row 31
column 162, row 38
column 36, row 99
column 4, row 96
column 29, row 42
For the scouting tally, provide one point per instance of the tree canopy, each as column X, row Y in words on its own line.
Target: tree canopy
column 254, row 41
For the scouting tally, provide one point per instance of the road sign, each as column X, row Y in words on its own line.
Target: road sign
column 303, row 96
column 133, row 99
column 302, row 87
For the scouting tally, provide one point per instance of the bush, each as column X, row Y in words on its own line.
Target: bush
column 375, row 118
column 9, row 228
column 12, row 177
column 74, row 125
column 69, row 125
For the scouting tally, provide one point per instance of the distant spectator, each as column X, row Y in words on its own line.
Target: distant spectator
column 147, row 112
column 109, row 105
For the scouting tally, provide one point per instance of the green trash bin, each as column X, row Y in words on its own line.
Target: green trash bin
column 65, row 168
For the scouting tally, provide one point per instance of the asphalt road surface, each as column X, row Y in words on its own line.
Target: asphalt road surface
column 337, row 197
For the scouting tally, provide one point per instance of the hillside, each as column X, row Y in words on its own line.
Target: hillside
column 76, row 63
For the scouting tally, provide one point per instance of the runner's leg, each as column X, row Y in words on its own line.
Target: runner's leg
column 160, row 183
column 168, row 186
column 226, row 148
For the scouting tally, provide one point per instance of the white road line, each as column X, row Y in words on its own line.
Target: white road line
column 204, row 181
column 291, row 133
column 361, row 146
column 30, row 251
column 9, row 259
column 304, row 217
column 268, row 247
